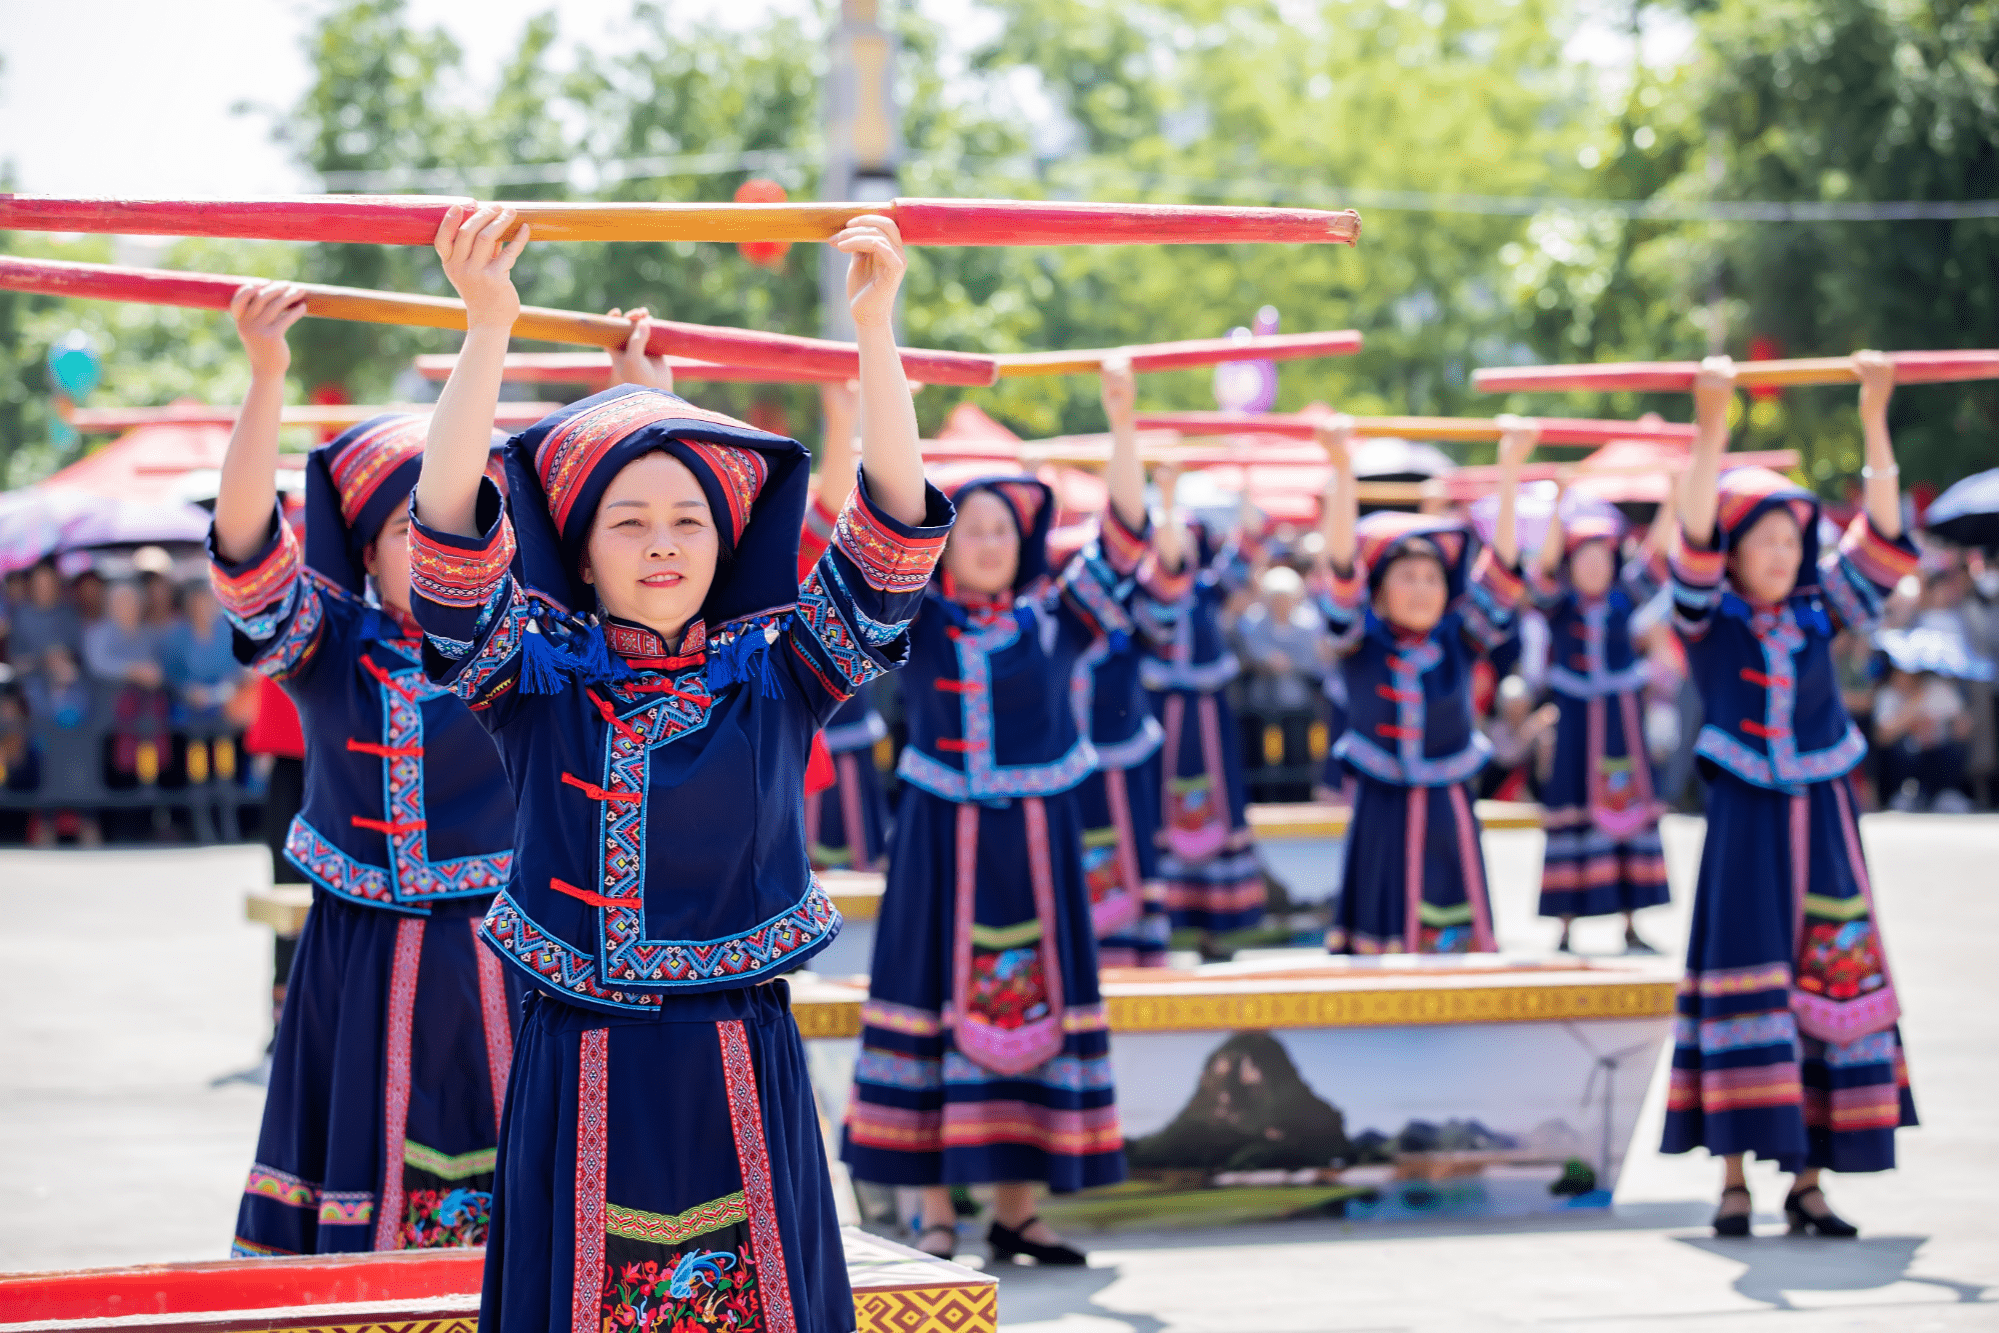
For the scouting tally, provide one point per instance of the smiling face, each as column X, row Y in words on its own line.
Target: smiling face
column 1592, row 568
column 1413, row 593
column 387, row 560
column 1764, row 561
column 983, row 554
column 653, row 546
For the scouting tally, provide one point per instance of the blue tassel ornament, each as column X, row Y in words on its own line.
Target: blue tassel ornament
column 544, row 667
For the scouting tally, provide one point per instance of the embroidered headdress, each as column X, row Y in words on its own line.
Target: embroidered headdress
column 1746, row 494
column 1032, row 505
column 1388, row 534
column 352, row 484
column 754, row 482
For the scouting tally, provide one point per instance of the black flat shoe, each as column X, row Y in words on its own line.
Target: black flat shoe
column 950, row 1235
column 1008, row 1243
column 1734, row 1225
column 1634, row 944
column 1828, row 1223
column 1562, row 944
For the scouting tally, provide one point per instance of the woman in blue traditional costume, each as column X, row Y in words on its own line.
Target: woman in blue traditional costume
column 847, row 822
column 1787, row 1044
column 1411, row 610
column 632, row 630
column 392, row 1050
column 1120, row 799
column 984, row 1045
column 1599, row 807
column 1207, row 854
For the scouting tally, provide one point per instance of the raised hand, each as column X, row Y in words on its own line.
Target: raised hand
column 631, row 364
column 1334, row 435
column 479, row 262
column 1714, row 390
column 263, row 311
column 1119, row 388
column 1877, row 381
column 1517, row 438
column 875, row 266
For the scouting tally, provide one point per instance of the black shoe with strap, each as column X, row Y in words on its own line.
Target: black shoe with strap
column 1010, row 1242
column 1826, row 1222
column 1734, row 1225
column 949, row 1235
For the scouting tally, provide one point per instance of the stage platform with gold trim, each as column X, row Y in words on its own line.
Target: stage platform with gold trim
column 896, row 1290
column 1391, row 1087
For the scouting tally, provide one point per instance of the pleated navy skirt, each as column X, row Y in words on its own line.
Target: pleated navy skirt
column 387, row 1076
column 664, row 1172
column 1120, row 814
column 985, row 1051
column 1746, row 1077
column 1415, row 873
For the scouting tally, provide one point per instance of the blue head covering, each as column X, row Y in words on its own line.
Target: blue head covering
column 1032, row 504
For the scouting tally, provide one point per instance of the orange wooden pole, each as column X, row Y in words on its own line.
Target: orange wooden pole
column 1678, row 376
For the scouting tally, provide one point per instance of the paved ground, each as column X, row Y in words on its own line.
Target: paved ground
column 131, row 989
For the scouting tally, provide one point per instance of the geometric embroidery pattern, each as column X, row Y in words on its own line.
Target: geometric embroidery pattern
column 478, row 1162
column 753, row 1156
column 396, row 1091
column 593, row 1148
column 966, row 1309
column 660, row 1229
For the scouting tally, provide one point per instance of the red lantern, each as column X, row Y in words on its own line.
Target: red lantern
column 1765, row 348
column 764, row 254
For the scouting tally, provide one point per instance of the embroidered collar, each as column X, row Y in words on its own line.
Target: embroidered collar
column 645, row 649
column 981, row 609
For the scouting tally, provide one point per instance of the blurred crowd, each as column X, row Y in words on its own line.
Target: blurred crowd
column 132, row 679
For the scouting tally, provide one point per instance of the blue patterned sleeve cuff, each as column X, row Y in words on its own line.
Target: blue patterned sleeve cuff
column 1859, row 576
column 472, row 612
column 270, row 601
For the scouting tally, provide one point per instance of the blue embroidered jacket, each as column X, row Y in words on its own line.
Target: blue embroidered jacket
column 1409, row 720
column 1180, row 619
column 1122, row 726
column 661, row 847
column 1768, row 688
column 405, row 804
column 998, row 700
column 1589, row 640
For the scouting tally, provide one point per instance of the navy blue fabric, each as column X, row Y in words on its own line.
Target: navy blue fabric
column 1372, row 912
column 323, row 1113
column 856, row 781
column 332, row 546
column 663, row 1069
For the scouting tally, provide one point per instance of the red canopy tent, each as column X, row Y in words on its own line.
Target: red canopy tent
column 145, row 463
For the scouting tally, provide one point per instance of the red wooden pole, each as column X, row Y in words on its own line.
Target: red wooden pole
column 337, row 416
column 806, row 357
column 413, row 220
column 1150, row 357
column 594, row 370
column 1678, row 376
column 1554, row 430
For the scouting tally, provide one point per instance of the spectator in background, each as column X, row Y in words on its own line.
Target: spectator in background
column 42, row 619
column 1947, row 603
column 122, row 651
column 86, row 594
column 1283, row 643
column 1522, row 739
column 1921, row 725
column 59, row 696
column 198, row 657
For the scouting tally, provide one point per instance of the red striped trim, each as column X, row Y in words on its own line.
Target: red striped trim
column 1399, row 696
column 253, row 589
column 952, row 745
column 1123, row 547
column 1759, row 678
column 890, row 561
column 593, row 1153
column 950, row 686
column 739, row 1075
column 396, row 1092
column 597, row 793
column 1398, row 733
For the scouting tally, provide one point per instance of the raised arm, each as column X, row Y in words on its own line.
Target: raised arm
column 1518, row 436
column 1124, row 476
column 1170, row 542
column 480, row 266
column 1339, row 508
column 890, row 453
column 839, row 404
column 1549, row 560
column 249, row 487
column 1881, row 479
column 1714, row 389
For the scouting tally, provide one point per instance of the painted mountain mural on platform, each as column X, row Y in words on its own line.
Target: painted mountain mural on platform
column 1251, row 1111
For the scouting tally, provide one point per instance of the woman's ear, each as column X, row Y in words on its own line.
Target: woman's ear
column 583, row 569
column 368, row 558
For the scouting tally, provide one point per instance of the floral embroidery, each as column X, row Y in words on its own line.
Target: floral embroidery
column 437, row 1218
column 1840, row 960
column 889, row 561
column 700, row 1289
column 1008, row 987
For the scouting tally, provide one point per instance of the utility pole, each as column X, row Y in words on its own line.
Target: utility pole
column 863, row 138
